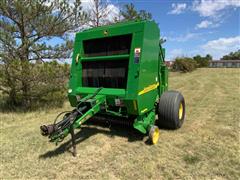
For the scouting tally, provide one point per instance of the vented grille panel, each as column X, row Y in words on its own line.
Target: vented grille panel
column 107, row 74
column 115, row 45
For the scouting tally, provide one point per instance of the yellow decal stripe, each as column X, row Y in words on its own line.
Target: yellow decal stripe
column 148, row 88
column 144, row 110
column 135, row 105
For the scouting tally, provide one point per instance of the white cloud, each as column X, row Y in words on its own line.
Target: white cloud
column 111, row 8
column 209, row 24
column 178, row 8
column 114, row 12
column 185, row 37
column 219, row 47
column 204, row 24
column 215, row 11
column 213, row 8
column 174, row 53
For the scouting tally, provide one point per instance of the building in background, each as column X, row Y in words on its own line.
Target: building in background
column 224, row 64
column 169, row 64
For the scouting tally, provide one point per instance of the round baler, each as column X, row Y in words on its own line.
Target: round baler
column 118, row 73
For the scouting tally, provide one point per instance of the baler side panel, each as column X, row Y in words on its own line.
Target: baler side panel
column 133, row 76
column 74, row 79
column 148, row 82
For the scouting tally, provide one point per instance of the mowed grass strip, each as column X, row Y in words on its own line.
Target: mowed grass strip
column 206, row 147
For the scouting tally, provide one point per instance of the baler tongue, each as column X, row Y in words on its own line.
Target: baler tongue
column 47, row 130
column 86, row 108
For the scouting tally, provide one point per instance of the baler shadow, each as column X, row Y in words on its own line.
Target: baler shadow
column 90, row 130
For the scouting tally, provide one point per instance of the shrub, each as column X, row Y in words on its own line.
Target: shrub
column 184, row 64
column 46, row 84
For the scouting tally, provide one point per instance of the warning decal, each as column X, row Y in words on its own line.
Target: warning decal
column 137, row 52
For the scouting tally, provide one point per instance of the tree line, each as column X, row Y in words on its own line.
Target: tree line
column 232, row 56
column 29, row 73
column 188, row 64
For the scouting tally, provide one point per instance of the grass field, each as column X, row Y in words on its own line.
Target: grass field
column 206, row 147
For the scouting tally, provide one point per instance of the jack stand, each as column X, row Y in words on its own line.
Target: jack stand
column 73, row 141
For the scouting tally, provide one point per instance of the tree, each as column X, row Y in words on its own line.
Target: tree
column 99, row 13
column 143, row 15
column 202, row 61
column 130, row 13
column 208, row 57
column 24, row 28
column 232, row 56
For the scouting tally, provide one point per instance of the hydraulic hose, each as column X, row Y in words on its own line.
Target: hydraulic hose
column 68, row 119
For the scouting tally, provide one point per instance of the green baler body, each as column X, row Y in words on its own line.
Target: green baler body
column 146, row 75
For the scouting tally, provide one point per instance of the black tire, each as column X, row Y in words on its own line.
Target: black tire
column 169, row 114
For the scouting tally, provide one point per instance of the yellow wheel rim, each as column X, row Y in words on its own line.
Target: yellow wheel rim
column 180, row 111
column 155, row 136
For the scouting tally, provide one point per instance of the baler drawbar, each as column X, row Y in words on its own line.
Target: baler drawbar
column 118, row 73
column 86, row 108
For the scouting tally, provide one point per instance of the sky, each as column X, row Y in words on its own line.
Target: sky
column 194, row 27
column 190, row 27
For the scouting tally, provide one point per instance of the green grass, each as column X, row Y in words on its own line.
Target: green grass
column 206, row 147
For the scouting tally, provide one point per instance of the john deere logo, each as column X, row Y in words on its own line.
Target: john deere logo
column 105, row 32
